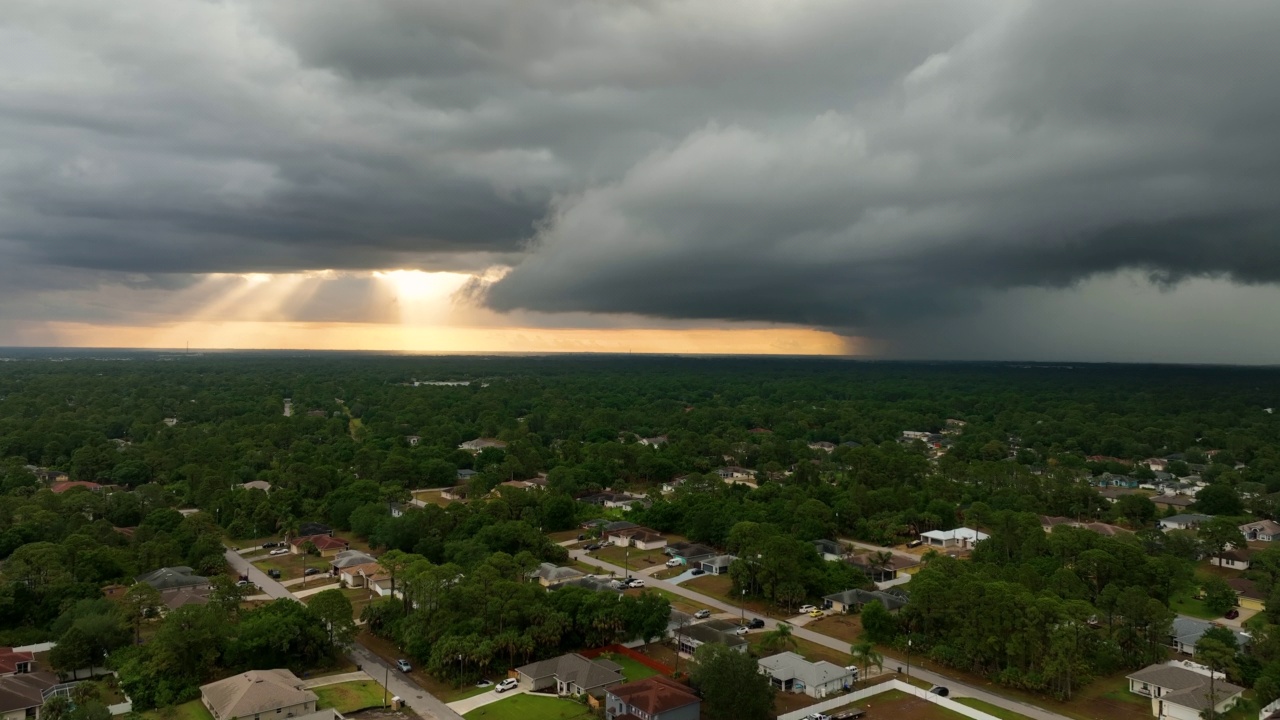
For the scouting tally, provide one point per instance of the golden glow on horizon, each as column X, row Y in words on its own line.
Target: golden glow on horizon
column 391, row 310
column 374, row 337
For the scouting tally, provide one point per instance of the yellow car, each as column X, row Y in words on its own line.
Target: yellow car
column 816, row 613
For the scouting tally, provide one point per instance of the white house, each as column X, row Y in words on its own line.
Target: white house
column 475, row 446
column 1178, row 693
column 790, row 672
column 960, row 537
column 1264, row 530
column 1186, row 521
column 1235, row 559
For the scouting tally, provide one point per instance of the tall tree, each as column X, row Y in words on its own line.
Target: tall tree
column 1219, row 657
column 864, row 654
column 731, row 684
column 334, row 609
column 780, row 638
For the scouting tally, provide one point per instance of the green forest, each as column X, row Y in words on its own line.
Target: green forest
column 996, row 446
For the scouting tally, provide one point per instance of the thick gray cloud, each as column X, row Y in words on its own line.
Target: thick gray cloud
column 862, row 166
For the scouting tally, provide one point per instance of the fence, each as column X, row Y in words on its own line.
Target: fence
column 628, row 652
column 863, row 694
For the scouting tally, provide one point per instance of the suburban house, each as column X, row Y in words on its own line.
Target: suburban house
column 13, row 662
column 534, row 484
column 174, row 598
column 1180, row 694
column 637, row 537
column 465, row 475
column 823, row 446
column 655, row 698
column 1235, row 559
column 1181, row 502
column 887, row 571
column 670, row 486
column 689, row 554
column 22, row 694
column 1247, row 594
column 262, row 485
column 852, row 601
column 830, row 550
column 173, row 577
column 1186, row 631
column 658, row 441
column 1113, row 494
column 327, row 546
column 349, row 558
column 1264, row 530
column 960, row 537
column 609, row 527
column 589, row 582
column 413, row 440
column 733, row 472
column 790, row 672
column 549, row 574
column 1156, row 464
column 358, row 576
column 62, row 486
column 454, row 493
column 49, row 476
column 717, row 565
column 608, row 499
column 258, row 695
column 475, row 446
column 1183, row 522
column 570, row 674
column 692, row 637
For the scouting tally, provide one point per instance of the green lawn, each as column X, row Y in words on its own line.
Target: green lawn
column 632, row 669
column 350, row 696
column 1188, row 605
column 194, row 710
column 990, row 709
column 531, row 707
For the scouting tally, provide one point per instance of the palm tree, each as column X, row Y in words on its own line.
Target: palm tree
column 864, row 653
column 880, row 560
column 778, row 638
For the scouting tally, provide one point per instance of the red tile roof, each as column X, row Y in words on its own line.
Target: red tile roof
column 65, row 485
column 655, row 695
column 9, row 660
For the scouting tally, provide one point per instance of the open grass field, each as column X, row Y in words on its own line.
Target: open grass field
column 842, row 627
column 678, row 602
column 194, row 710
column 291, row 566
column 350, row 696
column 531, row 707
column 634, row 559
column 720, row 587
column 990, row 709
column 1185, row 604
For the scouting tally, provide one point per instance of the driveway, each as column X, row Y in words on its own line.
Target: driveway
column 957, row 688
column 466, row 705
column 422, row 702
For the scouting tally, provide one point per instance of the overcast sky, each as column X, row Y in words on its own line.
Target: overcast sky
column 966, row 179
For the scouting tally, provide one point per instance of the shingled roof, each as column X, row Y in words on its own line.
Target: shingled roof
column 254, row 692
column 655, row 695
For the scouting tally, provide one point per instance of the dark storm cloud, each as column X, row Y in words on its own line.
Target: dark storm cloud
column 851, row 165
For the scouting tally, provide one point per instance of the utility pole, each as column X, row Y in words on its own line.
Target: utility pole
column 743, row 607
column 385, row 682
column 908, row 660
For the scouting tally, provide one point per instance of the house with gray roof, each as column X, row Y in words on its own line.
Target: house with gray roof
column 692, row 637
column 22, row 695
column 1185, row 521
column 549, row 574
column 830, row 550
column 589, row 582
column 1264, row 530
column 252, row 694
column 173, row 577
column 350, row 558
column 1179, row 693
column 717, row 565
column 570, row 674
column 852, row 601
column 689, row 554
column 1185, row 631
column 790, row 672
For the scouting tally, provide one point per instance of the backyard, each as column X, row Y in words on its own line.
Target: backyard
column 194, row 710
column 632, row 670
column 531, row 707
column 350, row 696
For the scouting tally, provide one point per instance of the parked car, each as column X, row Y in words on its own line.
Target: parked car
column 312, row 571
column 592, row 546
column 484, row 683
column 269, row 544
column 816, row 613
column 817, row 716
column 1232, row 614
column 244, row 583
column 505, row 685
column 755, row 624
column 698, row 571
column 940, row 691
column 806, row 609
column 742, row 630
column 403, row 666
column 702, row 614
column 280, row 551
column 635, row 583
column 273, row 574
column 915, row 543
column 581, row 538
column 673, row 563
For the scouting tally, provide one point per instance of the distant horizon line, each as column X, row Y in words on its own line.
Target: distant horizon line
column 1046, row 364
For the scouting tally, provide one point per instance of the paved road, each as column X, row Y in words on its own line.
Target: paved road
column 957, row 688
column 422, row 702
